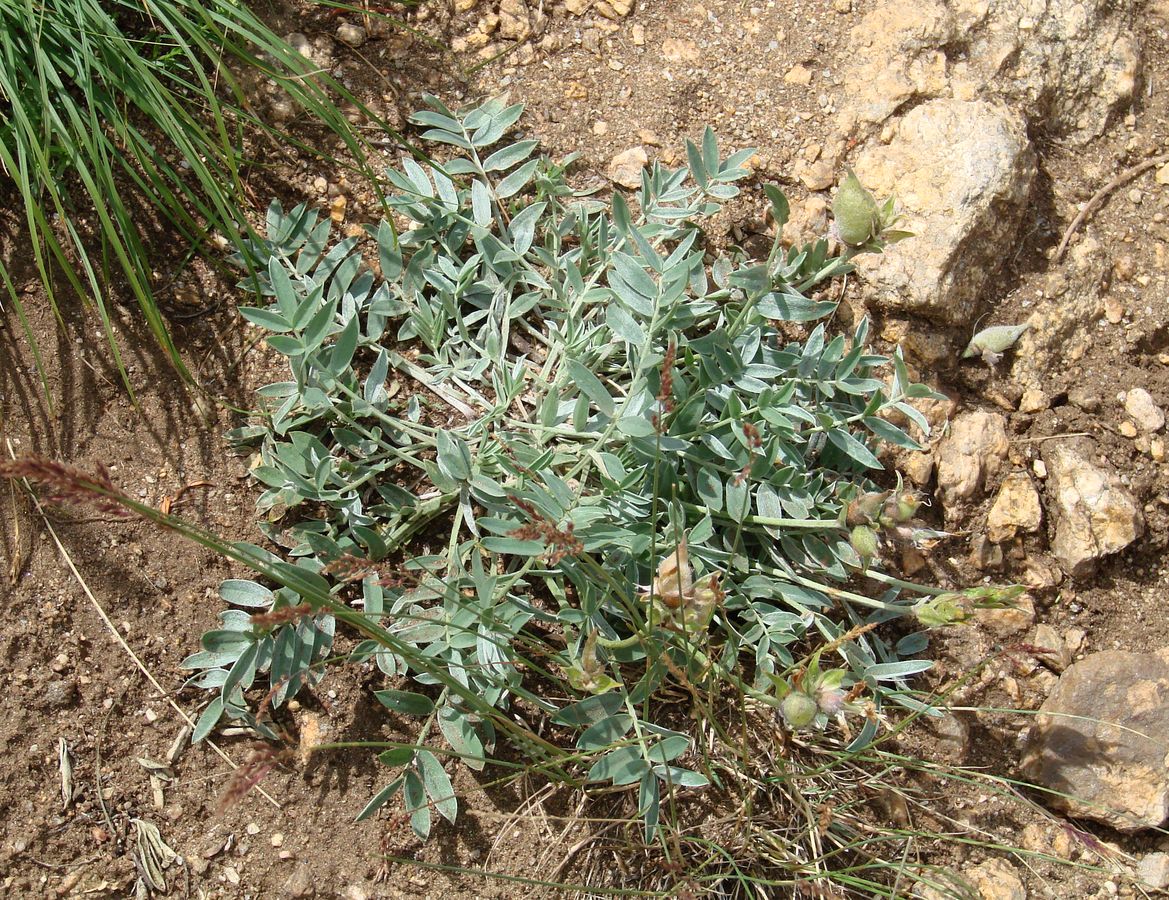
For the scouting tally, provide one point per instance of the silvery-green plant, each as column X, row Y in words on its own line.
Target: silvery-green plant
column 610, row 472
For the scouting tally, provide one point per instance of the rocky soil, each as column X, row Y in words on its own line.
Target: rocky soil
column 995, row 124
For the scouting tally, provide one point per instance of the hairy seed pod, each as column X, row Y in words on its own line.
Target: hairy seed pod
column 865, row 509
column 858, row 218
column 907, row 505
column 936, row 612
column 798, row 710
column 864, row 541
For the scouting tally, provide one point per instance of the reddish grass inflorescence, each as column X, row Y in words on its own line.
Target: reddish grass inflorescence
column 665, row 396
column 349, row 567
column 67, row 484
column 754, row 445
column 281, row 616
column 254, row 769
column 561, row 543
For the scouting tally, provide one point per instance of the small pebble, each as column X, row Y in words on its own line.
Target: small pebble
column 625, row 168
column 353, row 35
column 1085, row 398
column 1033, row 401
column 817, row 176
column 800, row 75
column 1143, row 409
column 59, row 694
column 1153, row 869
column 1074, row 638
column 282, row 109
column 277, row 839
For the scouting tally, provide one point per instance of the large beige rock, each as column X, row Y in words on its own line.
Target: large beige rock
column 1069, row 63
column 1007, row 621
column 1064, row 319
column 1093, row 512
column 1143, row 410
column 962, row 174
column 896, row 57
column 614, row 10
column 1153, row 870
column 966, row 457
column 1015, row 508
column 1100, row 740
column 997, row 879
column 514, row 21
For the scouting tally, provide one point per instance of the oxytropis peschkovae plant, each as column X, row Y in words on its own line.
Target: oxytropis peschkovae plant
column 545, row 454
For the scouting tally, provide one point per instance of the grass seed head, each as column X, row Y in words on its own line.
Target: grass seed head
column 561, row 542
column 255, row 769
column 69, row 484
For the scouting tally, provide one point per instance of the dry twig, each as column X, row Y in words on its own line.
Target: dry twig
column 1097, row 198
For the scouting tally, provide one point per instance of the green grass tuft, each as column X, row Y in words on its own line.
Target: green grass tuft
column 112, row 109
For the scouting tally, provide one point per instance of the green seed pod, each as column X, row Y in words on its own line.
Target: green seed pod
column 864, row 541
column 799, row 710
column 935, row 612
column 907, row 505
column 858, row 218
